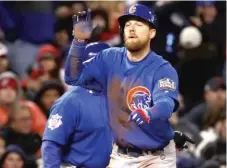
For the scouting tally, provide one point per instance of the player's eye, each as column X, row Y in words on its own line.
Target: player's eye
column 139, row 24
column 127, row 24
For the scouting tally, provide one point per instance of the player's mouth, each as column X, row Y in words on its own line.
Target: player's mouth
column 132, row 36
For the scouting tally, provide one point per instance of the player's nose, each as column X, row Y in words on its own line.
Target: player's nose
column 131, row 28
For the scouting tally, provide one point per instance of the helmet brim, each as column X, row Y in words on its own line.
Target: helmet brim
column 123, row 19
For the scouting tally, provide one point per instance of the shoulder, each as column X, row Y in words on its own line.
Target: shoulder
column 159, row 58
column 69, row 98
column 114, row 50
column 113, row 53
column 164, row 65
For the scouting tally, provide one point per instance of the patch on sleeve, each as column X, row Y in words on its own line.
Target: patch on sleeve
column 54, row 121
column 166, row 83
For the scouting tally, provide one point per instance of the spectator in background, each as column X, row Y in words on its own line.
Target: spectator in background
column 99, row 16
column 208, row 19
column 26, row 26
column 13, row 157
column 215, row 98
column 212, row 149
column 2, row 35
column 10, row 94
column 61, row 37
column 47, row 68
column 11, row 98
column 2, row 144
column 38, row 118
column 78, row 6
column 47, row 95
column 105, row 33
column 33, row 83
column 18, row 130
column 64, row 11
column 4, row 61
column 48, row 59
column 197, row 64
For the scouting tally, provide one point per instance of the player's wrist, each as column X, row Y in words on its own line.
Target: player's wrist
column 75, row 46
column 145, row 115
column 79, row 42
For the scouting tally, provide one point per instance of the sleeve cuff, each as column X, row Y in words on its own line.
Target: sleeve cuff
column 77, row 43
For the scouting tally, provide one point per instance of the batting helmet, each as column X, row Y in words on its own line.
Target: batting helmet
column 93, row 49
column 140, row 12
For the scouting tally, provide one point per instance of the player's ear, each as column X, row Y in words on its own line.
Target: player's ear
column 152, row 33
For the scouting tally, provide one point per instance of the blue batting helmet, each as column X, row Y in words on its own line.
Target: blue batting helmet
column 92, row 49
column 140, row 12
column 205, row 3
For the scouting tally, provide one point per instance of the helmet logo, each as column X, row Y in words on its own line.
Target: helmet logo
column 152, row 16
column 132, row 9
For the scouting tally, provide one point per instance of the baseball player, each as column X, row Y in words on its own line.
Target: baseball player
column 77, row 133
column 142, row 90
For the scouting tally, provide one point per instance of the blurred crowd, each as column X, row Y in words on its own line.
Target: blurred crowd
column 35, row 37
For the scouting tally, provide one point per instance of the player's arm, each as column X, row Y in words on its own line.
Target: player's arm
column 60, row 125
column 77, row 71
column 73, row 64
column 51, row 154
column 165, row 93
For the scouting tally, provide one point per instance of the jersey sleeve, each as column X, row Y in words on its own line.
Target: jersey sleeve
column 62, row 122
column 51, row 154
column 83, row 71
column 166, row 83
column 75, row 55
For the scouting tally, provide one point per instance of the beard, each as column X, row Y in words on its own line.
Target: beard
column 136, row 45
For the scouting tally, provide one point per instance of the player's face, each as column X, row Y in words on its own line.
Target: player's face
column 137, row 35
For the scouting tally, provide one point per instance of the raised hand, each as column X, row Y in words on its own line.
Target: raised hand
column 82, row 25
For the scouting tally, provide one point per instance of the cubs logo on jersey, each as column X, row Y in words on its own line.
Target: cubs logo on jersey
column 138, row 97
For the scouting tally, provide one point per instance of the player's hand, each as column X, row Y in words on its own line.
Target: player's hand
column 82, row 25
column 181, row 140
column 139, row 116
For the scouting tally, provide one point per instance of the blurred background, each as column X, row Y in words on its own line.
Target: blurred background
column 34, row 43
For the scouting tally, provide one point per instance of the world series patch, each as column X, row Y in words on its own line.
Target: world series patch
column 166, row 83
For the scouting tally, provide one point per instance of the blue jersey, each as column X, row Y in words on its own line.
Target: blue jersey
column 79, row 122
column 141, row 84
